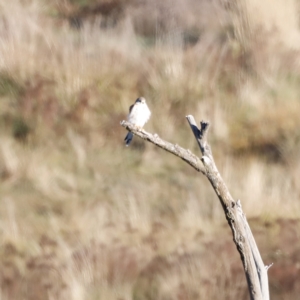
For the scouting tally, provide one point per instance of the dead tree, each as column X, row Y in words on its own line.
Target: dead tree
column 255, row 270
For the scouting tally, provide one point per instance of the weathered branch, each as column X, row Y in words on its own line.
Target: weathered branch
column 262, row 270
column 184, row 154
column 256, row 272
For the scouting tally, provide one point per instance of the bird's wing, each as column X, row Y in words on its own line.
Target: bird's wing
column 130, row 108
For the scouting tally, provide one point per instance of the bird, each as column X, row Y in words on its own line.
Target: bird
column 139, row 114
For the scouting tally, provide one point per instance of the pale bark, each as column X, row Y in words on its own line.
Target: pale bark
column 255, row 270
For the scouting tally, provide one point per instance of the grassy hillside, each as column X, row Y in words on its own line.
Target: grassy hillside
column 83, row 217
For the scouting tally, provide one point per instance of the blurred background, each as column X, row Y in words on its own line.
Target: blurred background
column 82, row 216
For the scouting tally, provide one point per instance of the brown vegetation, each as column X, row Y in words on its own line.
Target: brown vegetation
column 81, row 217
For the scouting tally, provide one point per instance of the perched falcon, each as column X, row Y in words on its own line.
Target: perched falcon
column 139, row 114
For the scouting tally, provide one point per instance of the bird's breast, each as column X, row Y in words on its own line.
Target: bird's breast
column 139, row 115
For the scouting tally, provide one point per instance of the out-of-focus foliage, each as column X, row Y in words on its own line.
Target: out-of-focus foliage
column 83, row 217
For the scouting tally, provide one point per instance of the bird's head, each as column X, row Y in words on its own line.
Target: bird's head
column 140, row 100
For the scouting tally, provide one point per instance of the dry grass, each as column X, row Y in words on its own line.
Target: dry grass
column 84, row 218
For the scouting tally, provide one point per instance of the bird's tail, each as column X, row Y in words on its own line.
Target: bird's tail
column 128, row 138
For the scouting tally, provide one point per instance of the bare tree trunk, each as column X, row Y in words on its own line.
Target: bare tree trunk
column 255, row 270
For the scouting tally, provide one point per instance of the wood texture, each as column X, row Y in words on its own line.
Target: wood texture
column 255, row 271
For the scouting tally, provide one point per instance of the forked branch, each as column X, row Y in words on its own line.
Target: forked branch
column 256, row 272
